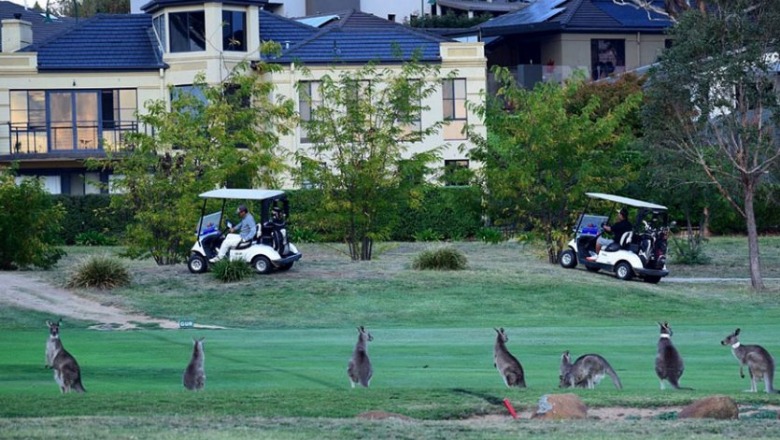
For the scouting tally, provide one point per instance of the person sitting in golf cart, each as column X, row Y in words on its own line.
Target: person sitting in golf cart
column 246, row 227
column 617, row 230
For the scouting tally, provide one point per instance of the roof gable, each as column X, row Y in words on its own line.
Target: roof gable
column 577, row 16
column 358, row 37
column 103, row 42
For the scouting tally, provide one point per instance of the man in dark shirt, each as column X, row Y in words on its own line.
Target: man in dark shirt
column 617, row 230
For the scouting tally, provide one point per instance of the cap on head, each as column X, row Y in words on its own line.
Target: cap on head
column 623, row 212
column 240, row 209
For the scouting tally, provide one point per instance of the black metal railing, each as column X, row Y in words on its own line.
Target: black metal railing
column 26, row 139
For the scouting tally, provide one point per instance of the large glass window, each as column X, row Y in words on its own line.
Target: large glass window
column 234, row 31
column 188, row 31
column 159, row 29
column 77, row 119
column 454, row 101
column 308, row 99
column 607, row 57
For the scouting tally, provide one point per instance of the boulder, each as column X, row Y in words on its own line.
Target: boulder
column 713, row 407
column 560, row 407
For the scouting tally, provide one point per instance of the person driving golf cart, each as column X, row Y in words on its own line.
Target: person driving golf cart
column 246, row 227
column 617, row 230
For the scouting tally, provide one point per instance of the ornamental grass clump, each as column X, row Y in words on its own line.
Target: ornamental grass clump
column 100, row 272
column 229, row 271
column 447, row 258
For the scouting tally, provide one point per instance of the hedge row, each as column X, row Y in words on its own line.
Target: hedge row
column 441, row 213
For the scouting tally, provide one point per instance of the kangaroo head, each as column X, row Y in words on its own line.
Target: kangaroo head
column 565, row 370
column 501, row 334
column 365, row 335
column 198, row 343
column 54, row 328
column 731, row 339
column 666, row 329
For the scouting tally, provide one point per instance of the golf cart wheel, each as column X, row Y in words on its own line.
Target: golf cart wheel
column 624, row 271
column 568, row 259
column 652, row 279
column 197, row 263
column 285, row 267
column 261, row 264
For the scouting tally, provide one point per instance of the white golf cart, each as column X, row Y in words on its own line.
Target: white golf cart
column 269, row 249
column 640, row 252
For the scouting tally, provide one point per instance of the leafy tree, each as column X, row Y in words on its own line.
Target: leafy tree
column 545, row 148
column 712, row 102
column 671, row 8
column 450, row 20
column 360, row 126
column 88, row 8
column 222, row 135
column 29, row 224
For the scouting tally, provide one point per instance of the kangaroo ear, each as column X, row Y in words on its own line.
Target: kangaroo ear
column 736, row 332
column 48, row 323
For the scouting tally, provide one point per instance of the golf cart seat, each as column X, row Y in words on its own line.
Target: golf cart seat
column 243, row 244
column 623, row 243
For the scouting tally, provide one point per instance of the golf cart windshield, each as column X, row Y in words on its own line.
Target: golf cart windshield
column 209, row 223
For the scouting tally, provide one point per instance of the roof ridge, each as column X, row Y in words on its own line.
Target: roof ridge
column 288, row 20
column 74, row 27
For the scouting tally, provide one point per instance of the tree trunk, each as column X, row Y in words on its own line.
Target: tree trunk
column 753, row 254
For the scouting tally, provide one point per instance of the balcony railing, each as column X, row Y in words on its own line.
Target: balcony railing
column 26, row 139
column 528, row 75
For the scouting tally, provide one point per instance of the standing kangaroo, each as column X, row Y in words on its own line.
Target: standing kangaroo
column 67, row 373
column 586, row 372
column 195, row 374
column 668, row 362
column 760, row 363
column 506, row 364
column 359, row 368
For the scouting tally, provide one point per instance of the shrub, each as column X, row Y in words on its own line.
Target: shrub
column 101, row 272
column 94, row 238
column 690, row 250
column 446, row 258
column 229, row 271
column 490, row 235
column 427, row 235
column 30, row 224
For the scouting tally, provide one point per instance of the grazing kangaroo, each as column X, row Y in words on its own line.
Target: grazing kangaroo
column 67, row 373
column 359, row 368
column 668, row 362
column 506, row 364
column 194, row 377
column 760, row 363
column 586, row 372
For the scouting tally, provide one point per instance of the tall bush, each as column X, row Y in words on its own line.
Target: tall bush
column 29, row 225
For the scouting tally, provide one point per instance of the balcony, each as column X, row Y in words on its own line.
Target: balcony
column 528, row 75
column 87, row 139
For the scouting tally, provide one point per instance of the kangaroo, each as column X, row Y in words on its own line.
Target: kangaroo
column 194, row 377
column 760, row 363
column 359, row 368
column 506, row 364
column 668, row 362
column 67, row 373
column 586, row 371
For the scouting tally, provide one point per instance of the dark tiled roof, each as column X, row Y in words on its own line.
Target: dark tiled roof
column 122, row 42
column 283, row 30
column 577, row 16
column 42, row 30
column 358, row 37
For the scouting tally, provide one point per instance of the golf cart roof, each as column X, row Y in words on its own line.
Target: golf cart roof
column 625, row 201
column 241, row 194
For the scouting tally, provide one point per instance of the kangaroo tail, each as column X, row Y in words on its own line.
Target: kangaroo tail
column 78, row 387
column 613, row 375
column 677, row 386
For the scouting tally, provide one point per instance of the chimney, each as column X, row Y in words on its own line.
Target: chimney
column 17, row 34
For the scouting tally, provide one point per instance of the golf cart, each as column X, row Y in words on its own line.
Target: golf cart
column 640, row 252
column 269, row 249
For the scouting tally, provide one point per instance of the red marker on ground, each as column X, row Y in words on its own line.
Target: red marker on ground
column 511, row 409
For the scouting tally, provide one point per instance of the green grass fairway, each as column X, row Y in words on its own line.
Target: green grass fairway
column 278, row 369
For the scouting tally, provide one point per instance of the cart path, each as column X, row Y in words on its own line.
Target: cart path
column 24, row 291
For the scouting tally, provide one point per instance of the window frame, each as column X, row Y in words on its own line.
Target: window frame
column 454, row 110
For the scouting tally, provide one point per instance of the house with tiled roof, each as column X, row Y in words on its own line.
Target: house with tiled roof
column 549, row 40
column 69, row 96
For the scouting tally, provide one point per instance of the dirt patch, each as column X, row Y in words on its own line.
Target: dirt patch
column 22, row 290
column 624, row 413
